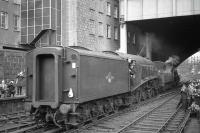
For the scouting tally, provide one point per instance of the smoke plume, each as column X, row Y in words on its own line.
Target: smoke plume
column 173, row 60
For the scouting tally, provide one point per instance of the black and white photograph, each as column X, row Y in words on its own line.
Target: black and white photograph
column 99, row 66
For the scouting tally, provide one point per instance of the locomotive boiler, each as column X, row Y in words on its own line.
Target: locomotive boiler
column 168, row 75
column 71, row 85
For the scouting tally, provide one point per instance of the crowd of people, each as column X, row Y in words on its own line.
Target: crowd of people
column 7, row 89
column 12, row 88
column 190, row 96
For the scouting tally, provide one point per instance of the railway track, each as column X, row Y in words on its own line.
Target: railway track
column 164, row 118
column 176, row 123
column 14, row 121
column 116, row 121
column 109, row 123
column 24, row 123
column 12, row 116
column 37, row 129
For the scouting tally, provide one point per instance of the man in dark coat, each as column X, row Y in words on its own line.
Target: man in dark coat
column 11, row 89
column 20, row 81
column 184, row 97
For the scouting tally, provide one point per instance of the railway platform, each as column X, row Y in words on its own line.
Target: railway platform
column 12, row 105
column 193, row 126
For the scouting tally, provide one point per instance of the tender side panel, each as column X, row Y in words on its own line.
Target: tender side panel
column 45, row 77
column 29, row 78
column 70, row 76
column 102, row 77
column 138, row 76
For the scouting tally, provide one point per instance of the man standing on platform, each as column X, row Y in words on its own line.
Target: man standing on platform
column 3, row 88
column 184, row 97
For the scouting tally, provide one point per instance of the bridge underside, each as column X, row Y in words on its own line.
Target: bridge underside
column 169, row 36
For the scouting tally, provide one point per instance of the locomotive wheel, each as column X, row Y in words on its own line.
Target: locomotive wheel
column 58, row 119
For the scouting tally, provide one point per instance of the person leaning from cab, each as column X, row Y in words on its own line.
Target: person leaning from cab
column 131, row 70
column 184, row 100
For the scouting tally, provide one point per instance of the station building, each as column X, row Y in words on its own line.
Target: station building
column 37, row 15
column 9, row 22
column 11, row 61
column 93, row 24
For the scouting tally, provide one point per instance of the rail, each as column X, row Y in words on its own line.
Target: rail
column 143, row 116
column 181, row 127
column 116, row 117
column 163, row 118
column 170, row 118
column 32, row 127
column 15, row 121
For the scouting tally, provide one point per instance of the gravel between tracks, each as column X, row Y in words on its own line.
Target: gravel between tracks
column 114, row 124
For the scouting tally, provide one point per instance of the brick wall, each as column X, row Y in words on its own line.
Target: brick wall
column 11, row 63
column 90, row 13
column 80, row 24
column 9, row 36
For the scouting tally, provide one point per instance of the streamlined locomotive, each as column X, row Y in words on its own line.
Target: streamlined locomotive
column 71, row 85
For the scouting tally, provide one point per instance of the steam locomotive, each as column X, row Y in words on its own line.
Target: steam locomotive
column 72, row 85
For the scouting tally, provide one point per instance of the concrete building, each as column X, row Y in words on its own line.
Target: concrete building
column 9, row 22
column 37, row 15
column 92, row 24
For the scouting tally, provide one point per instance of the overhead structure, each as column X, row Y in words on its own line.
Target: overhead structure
column 173, row 24
column 152, row 9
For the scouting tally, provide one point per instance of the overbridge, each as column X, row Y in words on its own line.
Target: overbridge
column 158, row 29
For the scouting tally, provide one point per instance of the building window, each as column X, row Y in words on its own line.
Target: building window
column 116, row 12
column 17, row 2
column 4, row 20
column 108, row 31
column 100, row 41
column 101, row 6
column 92, row 4
column 108, row 9
column 16, row 22
column 116, row 33
column 92, row 27
column 100, row 29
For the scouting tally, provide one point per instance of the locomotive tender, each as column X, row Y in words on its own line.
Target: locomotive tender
column 69, row 85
